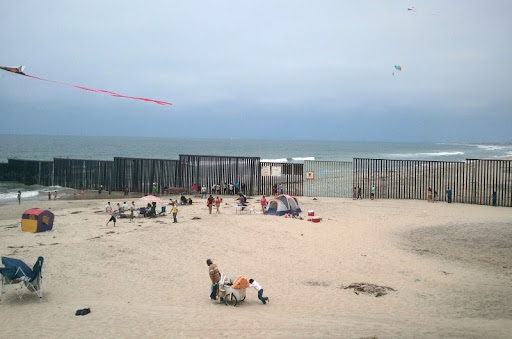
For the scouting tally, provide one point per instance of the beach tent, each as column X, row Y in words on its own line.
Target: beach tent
column 36, row 220
column 283, row 204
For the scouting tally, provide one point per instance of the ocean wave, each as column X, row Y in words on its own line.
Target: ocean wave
column 274, row 160
column 428, row 154
column 14, row 195
column 303, row 159
column 491, row 147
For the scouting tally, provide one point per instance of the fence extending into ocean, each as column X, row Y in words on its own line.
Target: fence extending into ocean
column 473, row 181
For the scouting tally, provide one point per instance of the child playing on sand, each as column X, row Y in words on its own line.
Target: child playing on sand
column 131, row 213
column 175, row 213
column 263, row 203
column 113, row 219
column 254, row 284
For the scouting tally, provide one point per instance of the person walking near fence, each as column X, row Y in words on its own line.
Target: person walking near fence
column 209, row 203
column 372, row 193
column 218, row 201
column 449, row 195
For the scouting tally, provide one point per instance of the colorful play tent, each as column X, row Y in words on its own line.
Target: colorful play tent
column 36, row 220
column 283, row 204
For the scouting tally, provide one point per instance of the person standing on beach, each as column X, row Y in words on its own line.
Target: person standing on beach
column 354, row 193
column 209, row 203
column 429, row 194
column 203, row 192
column 55, row 195
column 218, row 201
column 359, row 196
column 494, row 198
column 449, row 195
column 19, row 197
column 372, row 193
column 281, row 189
column 263, row 203
column 108, row 208
column 254, row 284
column 174, row 211
column 214, row 272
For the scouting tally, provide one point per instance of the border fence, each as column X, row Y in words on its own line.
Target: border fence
column 211, row 170
column 140, row 174
column 82, row 174
column 29, row 172
column 327, row 179
column 474, row 181
column 273, row 175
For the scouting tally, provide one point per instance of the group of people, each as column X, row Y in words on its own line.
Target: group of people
column 120, row 210
column 219, row 189
column 211, row 201
column 215, row 275
column 276, row 190
column 357, row 193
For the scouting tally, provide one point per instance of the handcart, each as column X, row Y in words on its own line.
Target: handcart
column 228, row 294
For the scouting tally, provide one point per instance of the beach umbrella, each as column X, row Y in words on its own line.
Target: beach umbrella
column 150, row 198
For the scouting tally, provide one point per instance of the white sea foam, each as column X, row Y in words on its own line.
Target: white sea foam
column 428, row 154
column 303, row 159
column 14, row 195
column 274, row 160
column 491, row 147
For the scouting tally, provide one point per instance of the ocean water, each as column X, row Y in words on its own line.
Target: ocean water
column 106, row 148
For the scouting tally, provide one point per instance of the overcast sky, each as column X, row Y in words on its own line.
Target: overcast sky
column 293, row 69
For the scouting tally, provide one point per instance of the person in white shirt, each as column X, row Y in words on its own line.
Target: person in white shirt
column 254, row 284
column 125, row 207
column 108, row 208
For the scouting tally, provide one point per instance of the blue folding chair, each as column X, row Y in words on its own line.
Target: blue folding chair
column 16, row 272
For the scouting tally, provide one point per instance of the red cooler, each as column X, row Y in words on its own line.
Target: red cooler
column 311, row 213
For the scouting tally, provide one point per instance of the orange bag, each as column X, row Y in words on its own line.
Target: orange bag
column 240, row 283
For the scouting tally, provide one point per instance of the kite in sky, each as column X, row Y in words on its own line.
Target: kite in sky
column 398, row 68
column 19, row 70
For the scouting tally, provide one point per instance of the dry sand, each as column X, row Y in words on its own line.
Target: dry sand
column 449, row 264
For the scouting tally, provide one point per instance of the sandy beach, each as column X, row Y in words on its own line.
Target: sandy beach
column 448, row 269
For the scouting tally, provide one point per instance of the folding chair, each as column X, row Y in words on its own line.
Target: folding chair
column 16, row 272
column 142, row 212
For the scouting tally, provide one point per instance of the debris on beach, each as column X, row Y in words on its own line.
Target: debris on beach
column 196, row 218
column 369, row 289
column 83, row 311
column 76, row 212
column 318, row 283
column 98, row 237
